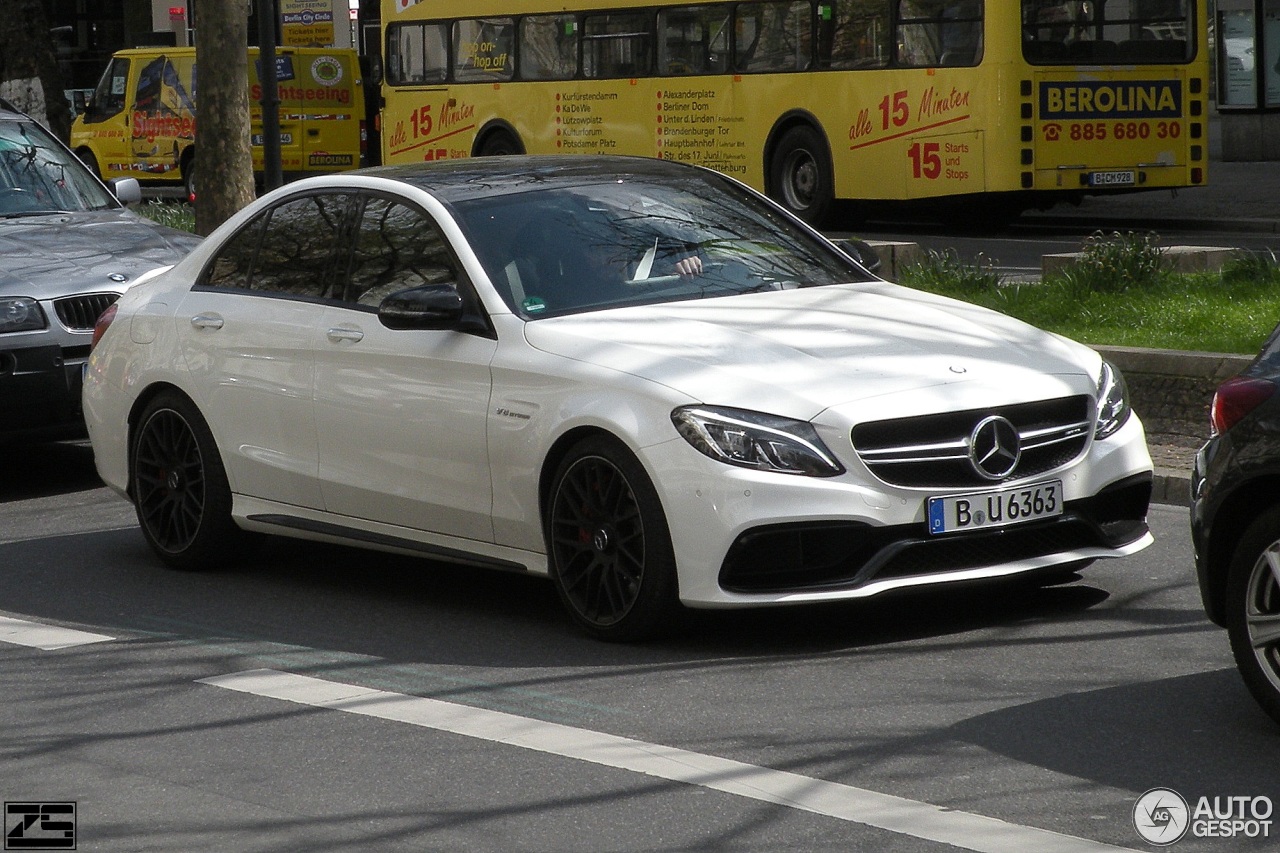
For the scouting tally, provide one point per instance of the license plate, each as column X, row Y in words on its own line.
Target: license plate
column 1124, row 178
column 1000, row 508
column 285, row 139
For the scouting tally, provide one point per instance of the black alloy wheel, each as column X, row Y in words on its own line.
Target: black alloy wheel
column 609, row 546
column 180, row 488
column 1253, row 609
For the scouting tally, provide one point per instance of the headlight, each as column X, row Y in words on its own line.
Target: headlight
column 756, row 440
column 1113, row 402
column 20, row 314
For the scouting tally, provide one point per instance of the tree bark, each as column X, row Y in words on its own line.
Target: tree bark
column 223, row 158
column 29, row 74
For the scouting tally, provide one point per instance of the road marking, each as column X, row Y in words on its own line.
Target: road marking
column 47, row 637
column 844, row 802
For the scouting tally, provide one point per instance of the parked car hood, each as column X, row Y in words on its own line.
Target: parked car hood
column 798, row 353
column 58, row 254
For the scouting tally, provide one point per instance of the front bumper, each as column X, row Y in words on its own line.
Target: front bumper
column 40, row 393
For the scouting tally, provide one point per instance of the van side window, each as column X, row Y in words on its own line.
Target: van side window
column 109, row 97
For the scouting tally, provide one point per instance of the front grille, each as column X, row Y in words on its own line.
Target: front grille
column 847, row 555
column 79, row 313
column 932, row 451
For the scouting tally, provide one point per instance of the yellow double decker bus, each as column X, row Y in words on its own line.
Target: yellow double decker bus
column 1000, row 110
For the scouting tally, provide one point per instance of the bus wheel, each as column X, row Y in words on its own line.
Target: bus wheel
column 498, row 144
column 800, row 175
column 90, row 162
column 188, row 169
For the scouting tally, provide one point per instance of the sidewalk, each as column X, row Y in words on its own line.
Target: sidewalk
column 1238, row 197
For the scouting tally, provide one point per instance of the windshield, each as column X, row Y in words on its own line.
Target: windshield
column 38, row 176
column 564, row 249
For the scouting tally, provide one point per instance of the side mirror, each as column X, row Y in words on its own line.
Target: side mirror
column 371, row 69
column 80, row 101
column 431, row 306
column 127, row 190
column 861, row 251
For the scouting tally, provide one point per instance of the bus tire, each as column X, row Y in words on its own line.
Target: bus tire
column 800, row 175
column 90, row 162
column 188, row 170
column 499, row 143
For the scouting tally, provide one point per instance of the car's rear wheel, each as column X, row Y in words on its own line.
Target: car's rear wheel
column 1253, row 609
column 180, row 487
column 609, row 545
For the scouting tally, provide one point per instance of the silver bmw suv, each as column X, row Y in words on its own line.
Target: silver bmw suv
column 69, row 246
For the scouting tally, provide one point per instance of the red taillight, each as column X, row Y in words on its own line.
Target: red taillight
column 1236, row 398
column 100, row 327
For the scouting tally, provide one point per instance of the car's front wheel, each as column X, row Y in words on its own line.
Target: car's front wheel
column 609, row 546
column 180, row 487
column 1253, row 609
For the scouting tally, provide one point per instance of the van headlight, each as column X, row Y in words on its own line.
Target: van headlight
column 1113, row 402
column 756, row 440
column 20, row 314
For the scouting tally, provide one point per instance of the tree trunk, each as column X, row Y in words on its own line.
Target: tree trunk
column 223, row 159
column 29, row 74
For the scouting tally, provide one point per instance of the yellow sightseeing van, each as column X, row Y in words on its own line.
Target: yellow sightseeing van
column 141, row 120
column 978, row 108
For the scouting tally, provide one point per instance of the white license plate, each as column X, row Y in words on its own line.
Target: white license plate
column 1124, row 178
column 285, row 139
column 985, row 510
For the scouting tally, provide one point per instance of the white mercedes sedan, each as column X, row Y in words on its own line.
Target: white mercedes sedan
column 638, row 378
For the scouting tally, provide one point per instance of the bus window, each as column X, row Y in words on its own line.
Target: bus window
column 939, row 32
column 616, row 45
column 694, row 40
column 1121, row 31
column 482, row 49
column 773, row 36
column 417, row 53
column 853, row 34
column 548, row 47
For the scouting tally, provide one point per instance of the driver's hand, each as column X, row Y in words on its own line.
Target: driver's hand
column 691, row 265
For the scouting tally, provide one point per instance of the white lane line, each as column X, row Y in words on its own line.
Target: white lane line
column 858, row 805
column 47, row 637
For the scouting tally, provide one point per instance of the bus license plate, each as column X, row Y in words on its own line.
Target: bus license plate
column 986, row 510
column 1125, row 178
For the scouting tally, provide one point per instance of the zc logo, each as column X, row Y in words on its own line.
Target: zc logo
column 39, row 826
column 1161, row 816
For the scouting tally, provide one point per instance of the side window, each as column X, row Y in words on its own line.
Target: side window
column 396, row 247
column 482, row 49
column 693, row 40
column 299, row 243
column 233, row 266
column 773, row 36
column 853, row 34
column 417, row 54
column 109, row 96
column 939, row 32
column 548, row 47
column 616, row 45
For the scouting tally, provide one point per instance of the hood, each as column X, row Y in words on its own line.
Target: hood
column 54, row 255
column 797, row 353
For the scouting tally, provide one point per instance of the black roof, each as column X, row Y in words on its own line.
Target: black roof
column 481, row 177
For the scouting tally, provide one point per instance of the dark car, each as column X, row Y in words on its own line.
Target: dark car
column 1235, row 521
column 68, row 248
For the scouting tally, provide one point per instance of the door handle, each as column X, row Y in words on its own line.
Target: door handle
column 345, row 334
column 206, row 321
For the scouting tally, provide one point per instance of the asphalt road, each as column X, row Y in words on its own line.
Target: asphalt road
column 286, row 705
